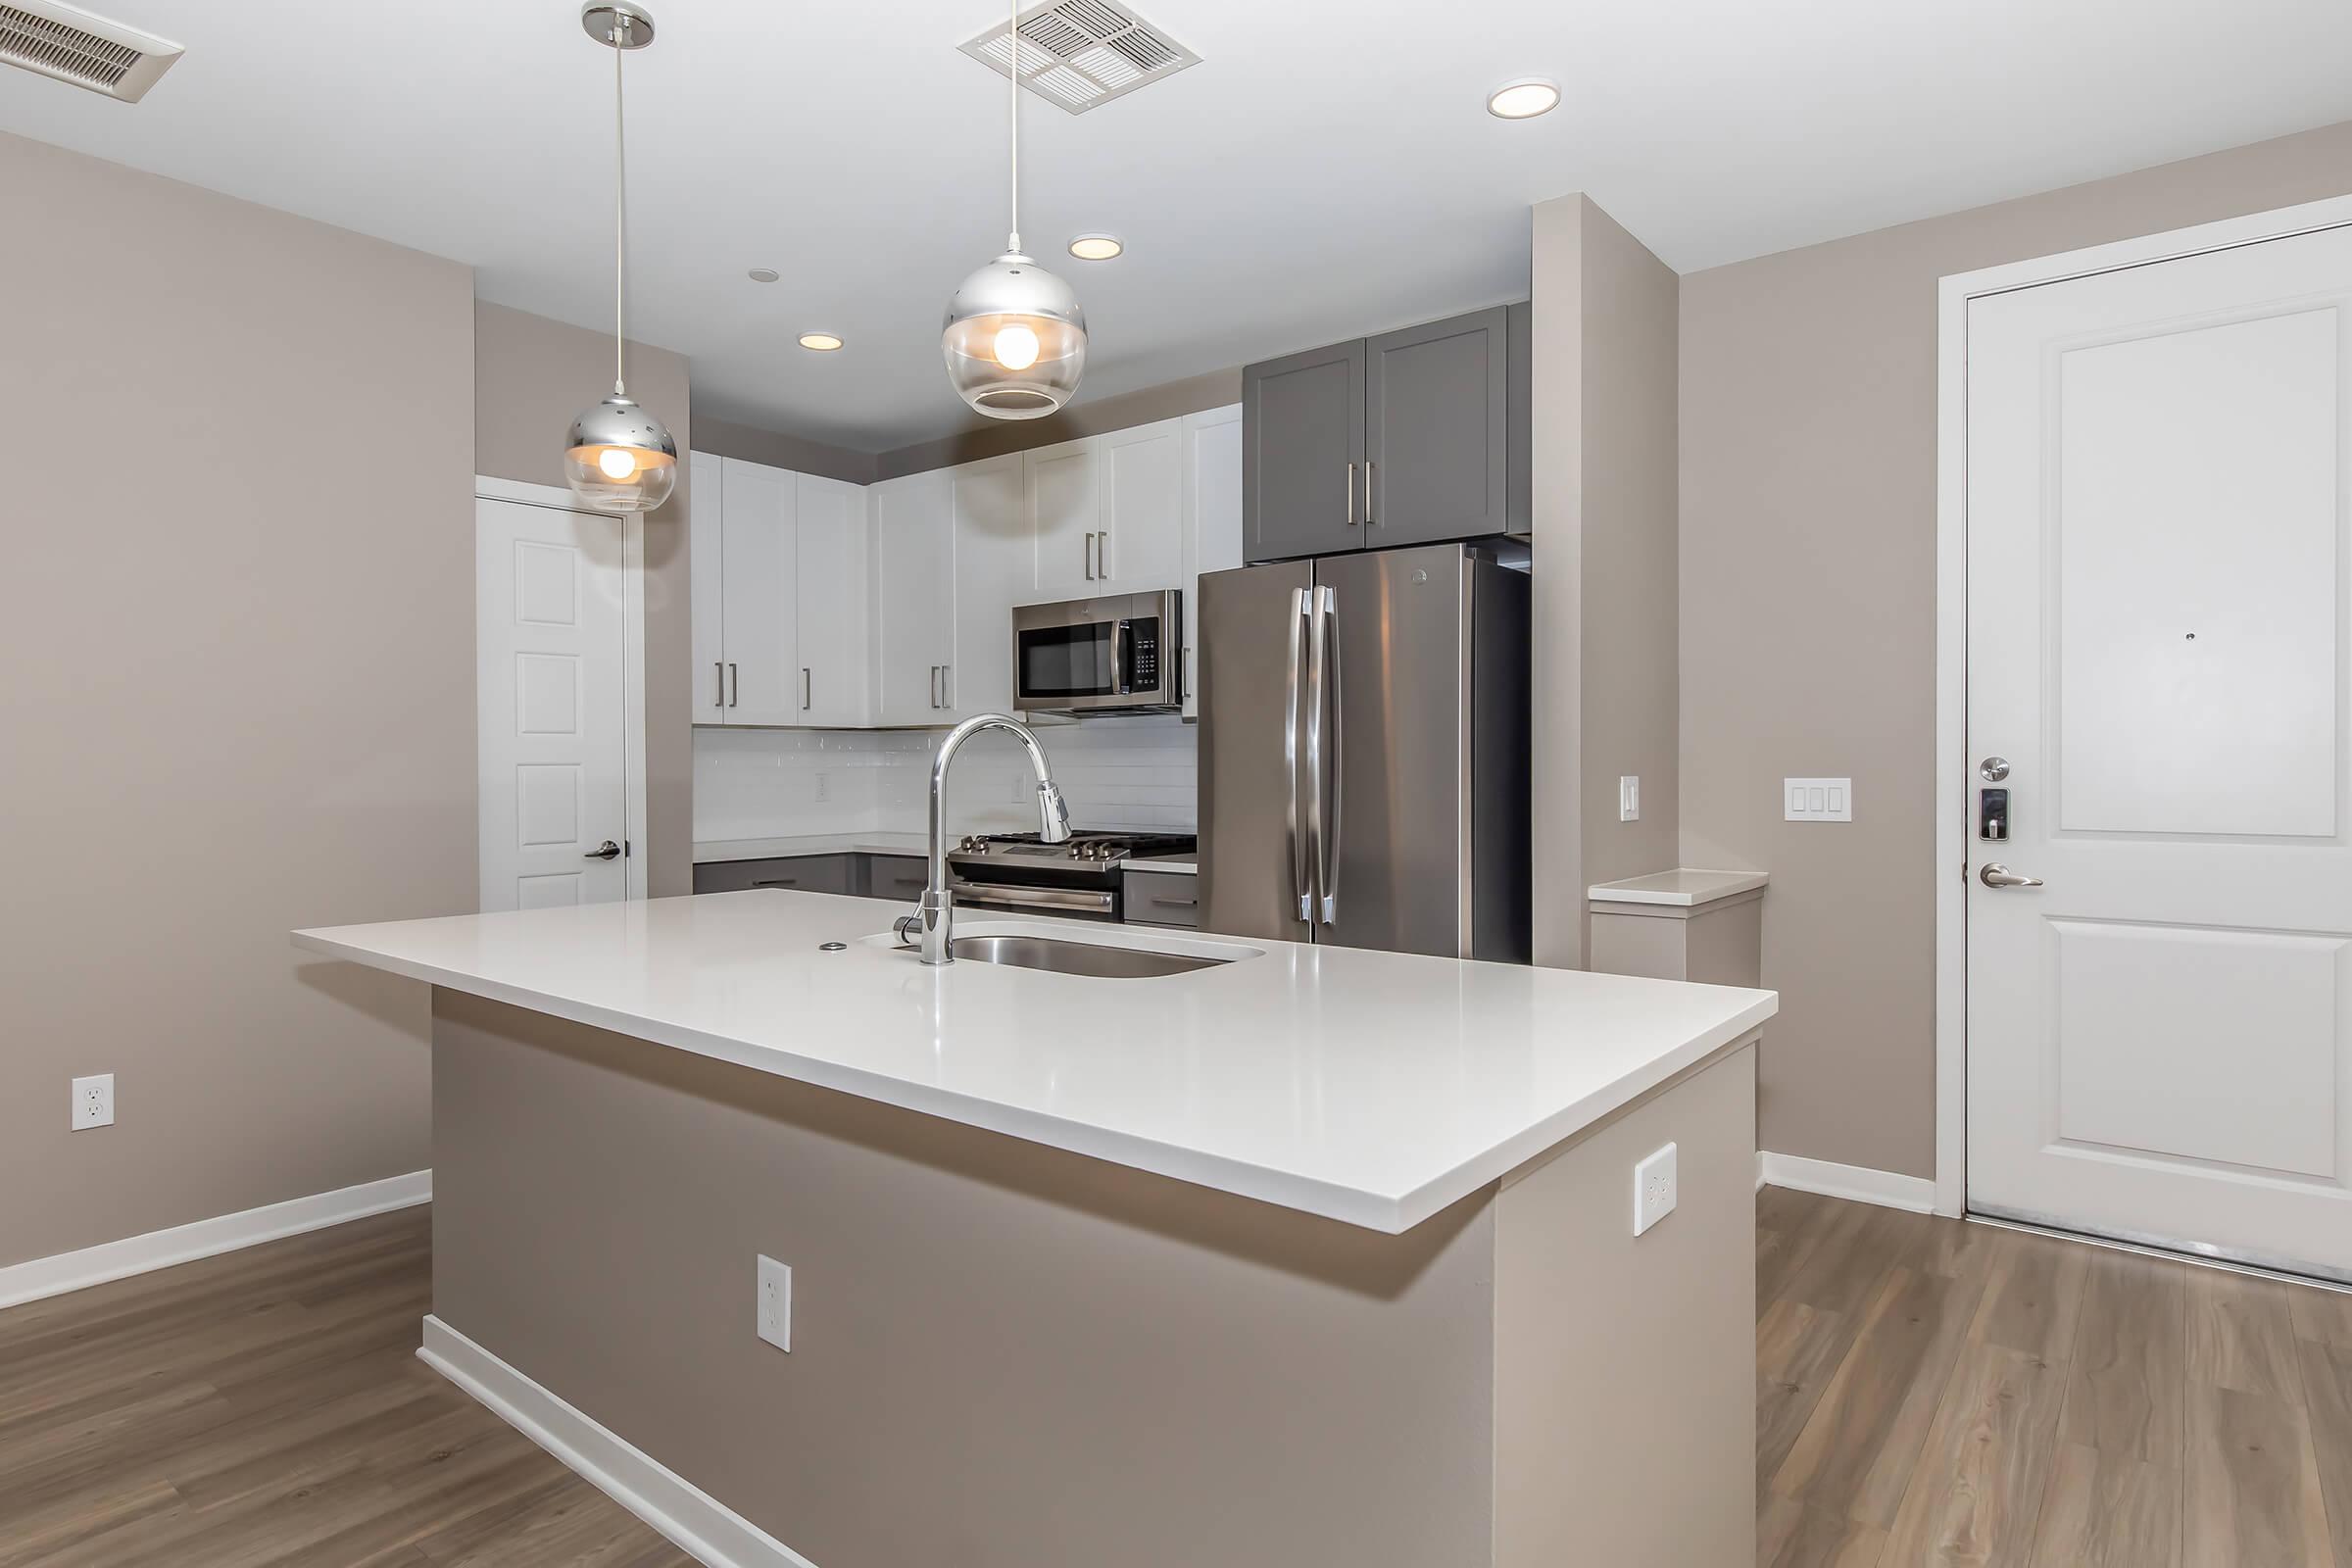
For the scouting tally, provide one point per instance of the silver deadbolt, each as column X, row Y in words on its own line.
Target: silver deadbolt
column 1993, row 770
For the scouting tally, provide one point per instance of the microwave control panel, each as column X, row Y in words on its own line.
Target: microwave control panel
column 1143, row 664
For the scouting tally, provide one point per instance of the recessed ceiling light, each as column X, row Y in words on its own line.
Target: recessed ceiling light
column 1524, row 99
column 764, row 275
column 820, row 342
column 1096, row 247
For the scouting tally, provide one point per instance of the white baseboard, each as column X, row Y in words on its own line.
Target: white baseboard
column 688, row 1517
column 208, row 1238
column 1885, row 1188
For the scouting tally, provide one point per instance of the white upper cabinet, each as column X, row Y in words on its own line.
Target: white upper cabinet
column 914, row 598
column 1142, row 547
column 831, row 588
column 1213, row 519
column 705, row 572
column 1065, row 517
column 759, row 595
column 995, row 566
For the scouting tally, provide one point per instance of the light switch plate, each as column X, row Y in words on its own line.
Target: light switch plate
column 1654, row 1189
column 1629, row 797
column 1817, row 800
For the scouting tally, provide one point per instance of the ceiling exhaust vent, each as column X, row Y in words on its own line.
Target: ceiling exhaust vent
column 72, row 45
column 1082, row 53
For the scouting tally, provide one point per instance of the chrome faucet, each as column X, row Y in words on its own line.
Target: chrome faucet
column 931, row 926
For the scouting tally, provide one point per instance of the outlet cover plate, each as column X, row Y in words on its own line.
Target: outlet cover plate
column 1817, row 800
column 776, row 1303
column 1654, row 1189
column 93, row 1101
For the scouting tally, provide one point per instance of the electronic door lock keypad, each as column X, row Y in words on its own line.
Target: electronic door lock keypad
column 1992, row 815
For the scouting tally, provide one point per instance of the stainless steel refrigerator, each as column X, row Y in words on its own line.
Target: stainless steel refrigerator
column 1364, row 734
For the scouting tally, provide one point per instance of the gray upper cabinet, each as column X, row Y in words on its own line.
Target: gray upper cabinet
column 1436, row 423
column 1302, row 454
column 1406, row 438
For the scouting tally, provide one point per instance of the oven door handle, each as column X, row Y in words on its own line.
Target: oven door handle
column 1008, row 896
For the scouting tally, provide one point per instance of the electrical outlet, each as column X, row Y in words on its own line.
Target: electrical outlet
column 1629, row 799
column 776, row 1303
column 93, row 1101
column 1654, row 1189
column 825, row 788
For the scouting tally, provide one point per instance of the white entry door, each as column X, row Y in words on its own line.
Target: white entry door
column 2159, row 1030
column 551, row 631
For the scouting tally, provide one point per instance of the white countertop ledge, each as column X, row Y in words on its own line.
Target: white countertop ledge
column 1684, row 887
column 1371, row 1087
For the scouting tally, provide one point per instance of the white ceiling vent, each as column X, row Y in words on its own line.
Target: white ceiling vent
column 72, row 45
column 1081, row 53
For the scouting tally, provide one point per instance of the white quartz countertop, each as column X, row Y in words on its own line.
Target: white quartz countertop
column 708, row 850
column 1684, row 887
column 1372, row 1088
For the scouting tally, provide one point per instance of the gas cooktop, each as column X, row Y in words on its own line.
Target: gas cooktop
column 1088, row 847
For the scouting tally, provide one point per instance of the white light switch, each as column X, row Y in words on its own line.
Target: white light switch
column 1817, row 800
column 1629, row 799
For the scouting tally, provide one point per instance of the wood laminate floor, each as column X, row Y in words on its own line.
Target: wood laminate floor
column 1927, row 1393
column 1934, row 1392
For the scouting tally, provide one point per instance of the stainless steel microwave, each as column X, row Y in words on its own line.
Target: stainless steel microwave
column 1120, row 653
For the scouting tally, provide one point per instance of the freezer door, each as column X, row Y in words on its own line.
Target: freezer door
column 1392, row 861
column 1250, row 665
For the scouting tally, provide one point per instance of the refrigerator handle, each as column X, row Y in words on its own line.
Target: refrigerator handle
column 1317, row 655
column 1326, row 666
column 1290, row 757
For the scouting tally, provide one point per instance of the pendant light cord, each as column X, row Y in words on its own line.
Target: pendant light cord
column 622, row 28
column 1014, row 243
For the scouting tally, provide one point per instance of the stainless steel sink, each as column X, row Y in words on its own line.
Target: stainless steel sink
column 1077, row 957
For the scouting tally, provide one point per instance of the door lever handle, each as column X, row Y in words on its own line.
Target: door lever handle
column 606, row 850
column 1996, row 875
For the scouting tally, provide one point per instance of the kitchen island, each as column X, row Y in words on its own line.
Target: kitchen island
column 1313, row 1256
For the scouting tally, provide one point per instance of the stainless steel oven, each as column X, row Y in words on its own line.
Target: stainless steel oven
column 1120, row 653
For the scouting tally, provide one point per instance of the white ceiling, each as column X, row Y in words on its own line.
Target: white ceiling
column 1329, row 169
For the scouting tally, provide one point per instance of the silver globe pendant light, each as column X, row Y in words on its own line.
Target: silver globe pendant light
column 1016, row 338
column 619, row 458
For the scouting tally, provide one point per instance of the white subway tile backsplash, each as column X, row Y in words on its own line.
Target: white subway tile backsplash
column 778, row 783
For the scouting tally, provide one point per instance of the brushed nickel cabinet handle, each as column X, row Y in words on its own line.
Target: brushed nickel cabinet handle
column 808, row 688
column 1370, row 467
column 719, row 668
column 1352, row 495
column 1087, row 542
column 734, row 686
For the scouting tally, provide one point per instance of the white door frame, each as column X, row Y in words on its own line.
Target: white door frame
column 1951, row 612
column 632, row 657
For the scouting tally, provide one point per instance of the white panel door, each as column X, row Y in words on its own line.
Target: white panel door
column 993, row 566
column 914, row 597
column 1065, row 517
column 1142, row 548
column 706, row 572
column 1213, row 519
column 550, row 645
column 829, row 579
column 759, row 603
column 2160, row 1034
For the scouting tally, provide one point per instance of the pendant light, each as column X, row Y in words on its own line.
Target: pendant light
column 1016, row 338
column 618, row 456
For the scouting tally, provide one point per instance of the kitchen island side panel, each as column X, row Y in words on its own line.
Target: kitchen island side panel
column 1003, row 1354
column 1625, row 1366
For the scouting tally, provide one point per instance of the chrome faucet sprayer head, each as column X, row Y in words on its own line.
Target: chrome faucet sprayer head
column 1052, row 813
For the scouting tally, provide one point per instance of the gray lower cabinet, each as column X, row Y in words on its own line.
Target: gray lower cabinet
column 1160, row 898
column 1411, row 437
column 897, row 877
column 800, row 873
column 1302, row 454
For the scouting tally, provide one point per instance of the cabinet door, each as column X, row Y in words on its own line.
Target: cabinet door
column 1302, row 453
column 758, row 602
column 1065, row 517
column 1436, row 425
column 706, row 577
column 831, row 585
column 913, row 600
column 1212, row 521
column 1141, row 545
column 994, row 569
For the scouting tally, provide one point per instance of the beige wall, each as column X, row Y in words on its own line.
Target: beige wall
column 1605, row 645
column 777, row 450
column 1808, row 518
column 532, row 378
column 239, row 694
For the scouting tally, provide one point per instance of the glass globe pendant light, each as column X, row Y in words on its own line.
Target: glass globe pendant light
column 1016, row 338
column 619, row 458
